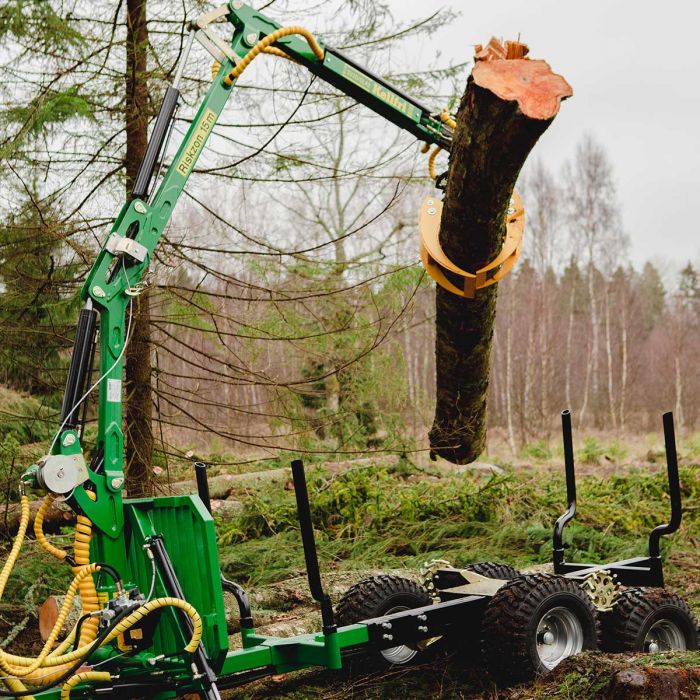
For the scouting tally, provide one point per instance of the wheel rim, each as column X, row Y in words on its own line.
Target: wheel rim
column 664, row 635
column 401, row 654
column 559, row 635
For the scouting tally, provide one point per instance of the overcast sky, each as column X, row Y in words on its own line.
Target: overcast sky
column 635, row 71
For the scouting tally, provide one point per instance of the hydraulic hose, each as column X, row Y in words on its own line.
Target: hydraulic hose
column 265, row 44
column 17, row 686
column 59, row 554
column 23, row 669
column 33, row 670
column 446, row 118
column 88, row 592
column 16, row 545
column 81, row 678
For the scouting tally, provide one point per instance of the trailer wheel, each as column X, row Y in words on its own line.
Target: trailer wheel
column 383, row 595
column 650, row 620
column 533, row 623
column 492, row 569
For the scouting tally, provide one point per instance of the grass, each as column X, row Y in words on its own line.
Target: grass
column 393, row 518
column 400, row 517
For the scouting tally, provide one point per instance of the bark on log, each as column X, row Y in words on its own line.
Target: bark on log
column 508, row 104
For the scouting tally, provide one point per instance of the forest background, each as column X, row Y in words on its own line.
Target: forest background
column 286, row 310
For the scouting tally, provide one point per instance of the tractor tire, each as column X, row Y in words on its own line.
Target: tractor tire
column 491, row 569
column 533, row 623
column 469, row 646
column 650, row 620
column 382, row 595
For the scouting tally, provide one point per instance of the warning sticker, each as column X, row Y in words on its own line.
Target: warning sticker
column 114, row 390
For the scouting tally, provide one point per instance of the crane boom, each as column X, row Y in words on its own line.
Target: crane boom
column 118, row 271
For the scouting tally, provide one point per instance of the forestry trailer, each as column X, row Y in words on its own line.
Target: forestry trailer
column 147, row 571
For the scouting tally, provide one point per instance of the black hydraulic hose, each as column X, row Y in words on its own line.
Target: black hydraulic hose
column 111, row 571
column 71, row 671
column 78, row 627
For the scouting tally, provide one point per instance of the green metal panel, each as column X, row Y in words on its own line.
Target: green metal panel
column 189, row 537
column 371, row 86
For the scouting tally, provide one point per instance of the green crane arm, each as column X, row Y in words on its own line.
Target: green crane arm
column 117, row 274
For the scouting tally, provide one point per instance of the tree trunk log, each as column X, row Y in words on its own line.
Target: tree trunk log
column 508, row 104
column 138, row 426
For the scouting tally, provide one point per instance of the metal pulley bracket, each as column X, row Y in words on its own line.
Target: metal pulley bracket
column 120, row 245
column 61, row 474
column 437, row 264
column 213, row 43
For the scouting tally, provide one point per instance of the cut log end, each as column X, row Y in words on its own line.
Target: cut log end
column 532, row 84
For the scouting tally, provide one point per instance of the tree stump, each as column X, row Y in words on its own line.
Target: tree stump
column 508, row 104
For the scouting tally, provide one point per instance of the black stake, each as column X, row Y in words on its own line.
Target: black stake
column 309, row 542
column 674, row 488
column 570, row 470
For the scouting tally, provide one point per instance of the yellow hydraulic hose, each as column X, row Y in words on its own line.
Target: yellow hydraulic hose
column 81, row 678
column 264, row 44
column 16, row 545
column 39, row 530
column 446, row 119
column 16, row 686
column 25, row 670
column 431, row 162
column 88, row 592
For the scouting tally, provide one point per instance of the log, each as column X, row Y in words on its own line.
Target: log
column 223, row 485
column 57, row 517
column 508, row 104
column 221, row 488
column 48, row 614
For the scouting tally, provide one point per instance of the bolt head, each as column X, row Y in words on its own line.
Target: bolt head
column 653, row 648
column 140, row 207
column 548, row 638
column 98, row 292
column 431, row 211
column 388, row 637
column 69, row 440
column 117, row 482
column 237, row 4
column 252, row 38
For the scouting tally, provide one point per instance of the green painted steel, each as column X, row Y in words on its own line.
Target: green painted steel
column 189, row 537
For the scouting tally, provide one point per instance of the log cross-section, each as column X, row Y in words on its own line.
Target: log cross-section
column 508, row 104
